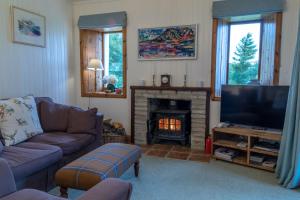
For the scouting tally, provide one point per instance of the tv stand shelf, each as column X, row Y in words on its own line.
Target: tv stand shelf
column 229, row 138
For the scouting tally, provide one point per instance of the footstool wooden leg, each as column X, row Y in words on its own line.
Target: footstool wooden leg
column 136, row 168
column 64, row 192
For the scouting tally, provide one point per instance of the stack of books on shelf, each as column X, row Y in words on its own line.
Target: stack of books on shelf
column 242, row 144
column 271, row 163
column 267, row 146
column 262, row 161
column 257, row 159
column 226, row 154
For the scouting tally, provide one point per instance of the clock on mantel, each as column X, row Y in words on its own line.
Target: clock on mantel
column 165, row 80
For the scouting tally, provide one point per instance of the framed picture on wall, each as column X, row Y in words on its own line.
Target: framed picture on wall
column 28, row 28
column 174, row 42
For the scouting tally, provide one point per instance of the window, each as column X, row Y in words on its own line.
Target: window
column 109, row 48
column 113, row 56
column 245, row 50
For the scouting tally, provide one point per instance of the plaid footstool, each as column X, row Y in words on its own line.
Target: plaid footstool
column 108, row 161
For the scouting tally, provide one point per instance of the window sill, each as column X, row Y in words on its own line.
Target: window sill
column 215, row 98
column 104, row 95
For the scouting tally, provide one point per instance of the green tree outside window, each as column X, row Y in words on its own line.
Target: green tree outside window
column 242, row 71
column 116, row 57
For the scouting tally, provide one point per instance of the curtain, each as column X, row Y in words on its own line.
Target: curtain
column 288, row 164
column 268, row 50
column 221, row 56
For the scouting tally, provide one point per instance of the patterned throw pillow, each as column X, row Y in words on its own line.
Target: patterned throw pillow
column 19, row 120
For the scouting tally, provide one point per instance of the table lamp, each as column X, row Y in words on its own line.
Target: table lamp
column 95, row 64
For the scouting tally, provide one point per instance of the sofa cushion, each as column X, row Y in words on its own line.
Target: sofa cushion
column 30, row 194
column 69, row 143
column 28, row 158
column 39, row 100
column 19, row 120
column 54, row 117
column 82, row 121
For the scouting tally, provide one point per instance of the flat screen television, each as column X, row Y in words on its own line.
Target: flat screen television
column 256, row 106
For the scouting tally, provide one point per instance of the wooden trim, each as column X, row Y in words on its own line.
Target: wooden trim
column 85, row 93
column 85, row 42
column 132, row 116
column 124, row 63
column 265, row 134
column 102, row 95
column 213, row 58
column 216, row 98
column 207, row 113
column 277, row 48
column 276, row 72
column 193, row 89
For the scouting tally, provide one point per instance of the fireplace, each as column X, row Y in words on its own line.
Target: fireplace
column 196, row 100
column 169, row 121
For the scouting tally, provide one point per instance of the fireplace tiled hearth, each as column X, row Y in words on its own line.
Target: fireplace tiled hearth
column 199, row 99
column 175, row 152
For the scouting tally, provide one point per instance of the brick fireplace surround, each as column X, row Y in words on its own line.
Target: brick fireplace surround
column 200, row 104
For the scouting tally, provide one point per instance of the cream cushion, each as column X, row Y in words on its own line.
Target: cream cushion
column 19, row 120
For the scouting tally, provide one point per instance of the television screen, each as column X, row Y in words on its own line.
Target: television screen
column 259, row 106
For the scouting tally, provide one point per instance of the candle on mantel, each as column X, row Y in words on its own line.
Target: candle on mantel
column 154, row 75
column 185, row 75
column 186, row 68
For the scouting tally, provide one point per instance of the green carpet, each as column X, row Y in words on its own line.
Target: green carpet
column 166, row 179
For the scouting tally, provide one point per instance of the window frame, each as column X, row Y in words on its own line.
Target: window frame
column 276, row 72
column 96, row 94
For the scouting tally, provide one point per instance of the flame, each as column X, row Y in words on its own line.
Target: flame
column 169, row 124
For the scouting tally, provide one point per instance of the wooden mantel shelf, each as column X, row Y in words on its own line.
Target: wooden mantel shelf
column 206, row 89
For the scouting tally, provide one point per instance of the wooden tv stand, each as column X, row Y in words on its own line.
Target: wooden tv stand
column 230, row 137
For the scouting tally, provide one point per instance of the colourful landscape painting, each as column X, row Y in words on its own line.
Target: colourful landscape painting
column 176, row 42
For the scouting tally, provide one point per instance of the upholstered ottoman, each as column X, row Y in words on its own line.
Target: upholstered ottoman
column 108, row 161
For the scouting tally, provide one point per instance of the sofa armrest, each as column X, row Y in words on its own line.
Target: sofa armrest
column 109, row 189
column 7, row 181
column 99, row 126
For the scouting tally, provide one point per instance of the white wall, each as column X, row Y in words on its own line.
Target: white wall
column 33, row 70
column 155, row 13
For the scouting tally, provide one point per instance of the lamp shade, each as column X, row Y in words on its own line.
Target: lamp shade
column 95, row 64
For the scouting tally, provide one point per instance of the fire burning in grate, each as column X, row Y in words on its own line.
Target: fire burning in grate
column 169, row 124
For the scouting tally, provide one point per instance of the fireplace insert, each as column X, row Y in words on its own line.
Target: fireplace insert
column 169, row 124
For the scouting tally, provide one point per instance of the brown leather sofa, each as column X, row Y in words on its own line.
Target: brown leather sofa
column 34, row 162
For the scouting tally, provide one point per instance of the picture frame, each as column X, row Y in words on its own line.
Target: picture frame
column 168, row 43
column 28, row 28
